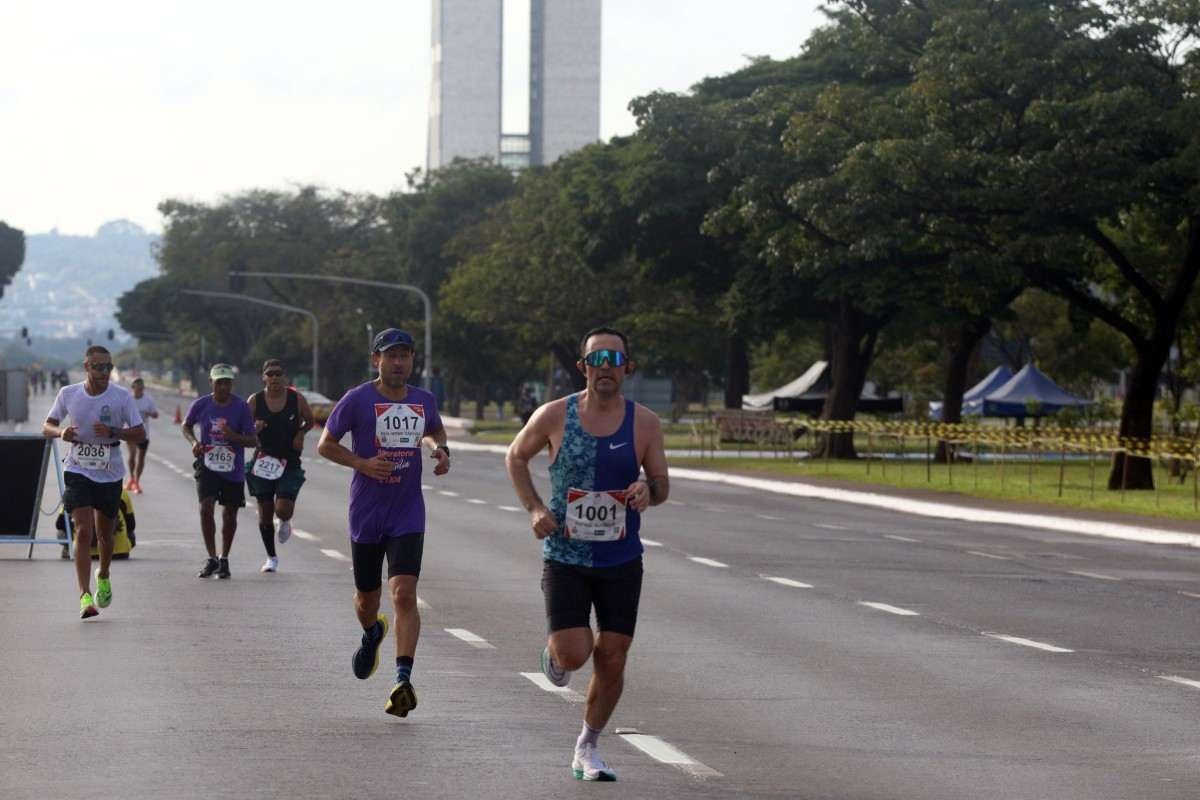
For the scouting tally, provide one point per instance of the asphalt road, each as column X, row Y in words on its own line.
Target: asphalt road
column 787, row 648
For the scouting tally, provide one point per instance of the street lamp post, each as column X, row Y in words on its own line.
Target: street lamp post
column 281, row 306
column 363, row 282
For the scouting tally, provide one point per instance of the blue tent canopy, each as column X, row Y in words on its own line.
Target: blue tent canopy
column 973, row 398
column 1029, row 386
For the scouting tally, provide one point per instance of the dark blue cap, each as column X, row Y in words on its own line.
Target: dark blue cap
column 391, row 337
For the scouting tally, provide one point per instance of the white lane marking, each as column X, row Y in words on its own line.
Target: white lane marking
column 901, row 538
column 650, row 542
column 514, row 508
column 423, row 605
column 542, row 682
column 674, row 503
column 708, row 562
column 426, row 487
column 902, row 612
column 829, row 527
column 473, row 639
column 787, row 582
column 1190, row 594
column 1184, row 681
column 475, row 501
column 666, row 753
column 335, row 555
column 447, row 494
column 1049, row 648
column 1097, row 575
column 768, row 516
column 989, row 555
column 305, row 535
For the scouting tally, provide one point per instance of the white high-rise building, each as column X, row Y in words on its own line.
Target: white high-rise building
column 564, row 77
column 464, row 103
column 466, row 98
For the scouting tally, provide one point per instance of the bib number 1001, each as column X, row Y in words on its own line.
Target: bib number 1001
column 595, row 516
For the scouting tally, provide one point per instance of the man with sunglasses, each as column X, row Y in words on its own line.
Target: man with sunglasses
column 389, row 422
column 226, row 427
column 102, row 416
column 281, row 418
column 600, row 443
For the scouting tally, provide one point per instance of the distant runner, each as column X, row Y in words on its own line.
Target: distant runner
column 592, row 556
column 137, row 452
column 388, row 422
column 102, row 415
column 226, row 427
column 274, row 475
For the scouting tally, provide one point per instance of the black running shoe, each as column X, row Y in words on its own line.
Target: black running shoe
column 223, row 568
column 366, row 657
column 402, row 700
column 210, row 568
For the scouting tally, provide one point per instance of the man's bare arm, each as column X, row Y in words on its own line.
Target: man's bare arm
column 528, row 443
column 655, row 462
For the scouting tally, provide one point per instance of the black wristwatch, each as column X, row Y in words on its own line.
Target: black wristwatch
column 442, row 447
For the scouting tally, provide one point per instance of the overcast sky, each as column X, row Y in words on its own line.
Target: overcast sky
column 108, row 108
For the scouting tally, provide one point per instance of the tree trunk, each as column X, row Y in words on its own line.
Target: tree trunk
column 737, row 370
column 455, row 392
column 852, row 339
column 961, row 346
column 1137, row 418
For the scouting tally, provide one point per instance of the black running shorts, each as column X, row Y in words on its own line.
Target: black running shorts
column 403, row 554
column 83, row 492
column 571, row 591
column 210, row 484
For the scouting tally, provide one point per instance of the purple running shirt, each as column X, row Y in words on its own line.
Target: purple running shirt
column 377, row 425
column 221, row 456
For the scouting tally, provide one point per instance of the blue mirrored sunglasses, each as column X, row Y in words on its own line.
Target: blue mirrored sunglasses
column 596, row 358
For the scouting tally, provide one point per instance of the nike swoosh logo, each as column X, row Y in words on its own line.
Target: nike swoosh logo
column 612, row 446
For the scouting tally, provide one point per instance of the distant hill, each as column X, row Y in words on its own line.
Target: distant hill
column 69, row 285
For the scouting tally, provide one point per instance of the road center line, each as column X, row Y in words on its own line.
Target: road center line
column 786, row 582
column 475, row 501
column 539, row 680
column 1183, row 681
column 708, row 562
column 445, row 493
column 1190, row 594
column 651, row 543
column 514, row 508
column 1049, row 648
column 902, row 612
column 335, row 554
column 989, row 555
column 1097, row 575
column 305, row 535
column 472, row 639
column 829, row 527
column 901, row 538
column 768, row 516
column 666, row 753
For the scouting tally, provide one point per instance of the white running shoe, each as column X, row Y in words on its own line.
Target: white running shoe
column 285, row 530
column 270, row 565
column 589, row 766
column 554, row 673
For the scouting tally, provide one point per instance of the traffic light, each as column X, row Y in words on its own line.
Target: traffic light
column 24, row 331
column 110, row 334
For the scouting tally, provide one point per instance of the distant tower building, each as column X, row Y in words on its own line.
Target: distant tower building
column 466, row 98
column 464, row 103
column 564, row 77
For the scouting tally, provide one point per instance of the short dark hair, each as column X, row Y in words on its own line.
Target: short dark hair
column 603, row 330
column 136, row 381
column 96, row 348
column 273, row 362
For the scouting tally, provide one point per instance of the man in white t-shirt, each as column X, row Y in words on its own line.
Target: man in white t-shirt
column 102, row 415
column 137, row 451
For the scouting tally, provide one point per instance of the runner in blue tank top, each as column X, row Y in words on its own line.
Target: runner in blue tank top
column 592, row 553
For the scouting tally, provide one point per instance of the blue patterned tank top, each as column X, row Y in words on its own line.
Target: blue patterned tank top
column 593, row 463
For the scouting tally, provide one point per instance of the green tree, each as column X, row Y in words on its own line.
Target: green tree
column 12, row 254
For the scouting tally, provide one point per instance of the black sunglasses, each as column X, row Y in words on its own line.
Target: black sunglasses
column 101, row 367
column 274, row 373
column 596, row 358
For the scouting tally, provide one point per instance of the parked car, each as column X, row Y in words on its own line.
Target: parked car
column 321, row 405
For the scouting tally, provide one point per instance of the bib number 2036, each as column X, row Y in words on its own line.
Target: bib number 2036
column 399, row 425
column 595, row 516
column 219, row 457
column 90, row 456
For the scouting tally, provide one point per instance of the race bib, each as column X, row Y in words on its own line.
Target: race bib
column 399, row 425
column 219, row 457
column 595, row 516
column 92, row 456
column 268, row 467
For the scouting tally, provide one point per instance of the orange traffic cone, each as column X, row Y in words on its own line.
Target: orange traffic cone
column 178, row 416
